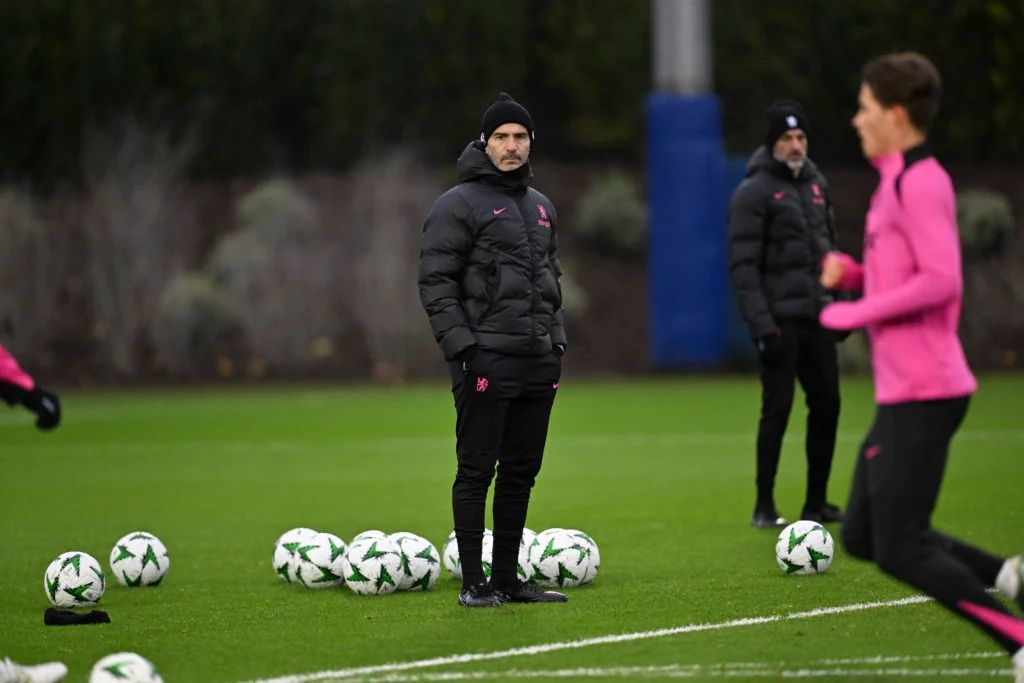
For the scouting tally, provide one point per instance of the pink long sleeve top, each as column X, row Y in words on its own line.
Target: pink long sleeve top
column 12, row 373
column 912, row 283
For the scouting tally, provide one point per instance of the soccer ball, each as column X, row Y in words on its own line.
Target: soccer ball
column 372, row 566
column 452, row 561
column 528, row 536
column 805, row 548
column 285, row 556
column 139, row 559
column 561, row 558
column 124, row 667
column 420, row 563
column 74, row 579
column 370, row 533
column 524, row 570
column 592, row 550
column 319, row 561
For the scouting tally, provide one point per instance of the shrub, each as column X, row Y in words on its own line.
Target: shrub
column 277, row 213
column 986, row 222
column 278, row 268
column 612, row 216
column 193, row 324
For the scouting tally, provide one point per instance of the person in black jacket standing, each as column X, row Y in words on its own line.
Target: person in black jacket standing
column 781, row 224
column 489, row 281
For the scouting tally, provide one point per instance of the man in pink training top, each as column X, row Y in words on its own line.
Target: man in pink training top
column 16, row 386
column 912, row 288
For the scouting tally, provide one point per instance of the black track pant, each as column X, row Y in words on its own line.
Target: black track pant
column 503, row 404
column 807, row 354
column 888, row 519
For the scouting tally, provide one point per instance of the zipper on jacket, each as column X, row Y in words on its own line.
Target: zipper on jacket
column 533, row 270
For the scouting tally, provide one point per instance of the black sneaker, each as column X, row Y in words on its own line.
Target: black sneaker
column 478, row 595
column 768, row 519
column 523, row 591
column 827, row 513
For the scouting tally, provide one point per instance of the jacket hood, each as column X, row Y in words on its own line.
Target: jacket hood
column 475, row 166
column 762, row 160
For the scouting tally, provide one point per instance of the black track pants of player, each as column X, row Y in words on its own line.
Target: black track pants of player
column 888, row 518
column 807, row 354
column 503, row 405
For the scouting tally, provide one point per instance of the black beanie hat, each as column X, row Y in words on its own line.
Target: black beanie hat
column 505, row 110
column 782, row 116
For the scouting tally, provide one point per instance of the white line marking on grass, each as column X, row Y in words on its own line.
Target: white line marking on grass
column 670, row 672
column 721, row 670
column 587, row 642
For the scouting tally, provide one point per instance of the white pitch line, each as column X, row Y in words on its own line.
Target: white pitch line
column 722, row 670
column 586, row 642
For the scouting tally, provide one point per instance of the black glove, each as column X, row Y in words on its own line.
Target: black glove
column 770, row 345
column 558, row 349
column 45, row 405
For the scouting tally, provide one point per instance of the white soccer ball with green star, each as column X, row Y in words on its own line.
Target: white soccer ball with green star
column 805, row 547
column 369, row 533
column 286, row 557
column 595, row 553
column 561, row 559
column 372, row 566
column 452, row 560
column 319, row 561
column 124, row 667
column 139, row 559
column 74, row 579
column 420, row 562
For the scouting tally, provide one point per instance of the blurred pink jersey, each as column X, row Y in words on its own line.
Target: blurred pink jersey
column 12, row 373
column 912, row 283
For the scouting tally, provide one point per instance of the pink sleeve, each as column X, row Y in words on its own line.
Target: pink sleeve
column 12, row 373
column 929, row 212
column 853, row 273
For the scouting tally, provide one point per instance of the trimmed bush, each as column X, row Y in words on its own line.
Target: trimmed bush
column 612, row 216
column 194, row 319
column 278, row 268
column 277, row 213
column 986, row 222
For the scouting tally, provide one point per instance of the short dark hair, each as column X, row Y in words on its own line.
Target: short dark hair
column 908, row 79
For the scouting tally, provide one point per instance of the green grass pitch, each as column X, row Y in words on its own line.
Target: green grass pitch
column 659, row 471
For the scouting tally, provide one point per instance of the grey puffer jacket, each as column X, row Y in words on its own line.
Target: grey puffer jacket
column 780, row 227
column 489, row 270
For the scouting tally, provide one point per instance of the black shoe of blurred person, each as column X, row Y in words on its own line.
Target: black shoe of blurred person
column 478, row 595
column 45, row 405
column 768, row 519
column 524, row 591
column 827, row 513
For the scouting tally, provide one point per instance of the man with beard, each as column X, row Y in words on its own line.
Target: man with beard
column 781, row 224
column 489, row 281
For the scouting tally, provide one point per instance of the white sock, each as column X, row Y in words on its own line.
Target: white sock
column 1008, row 579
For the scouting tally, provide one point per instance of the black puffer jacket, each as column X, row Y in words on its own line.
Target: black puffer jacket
column 779, row 229
column 489, row 266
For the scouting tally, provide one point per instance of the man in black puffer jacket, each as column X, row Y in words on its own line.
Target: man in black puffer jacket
column 781, row 224
column 488, row 280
